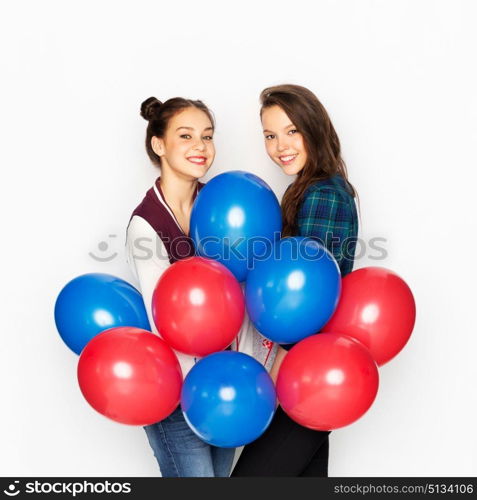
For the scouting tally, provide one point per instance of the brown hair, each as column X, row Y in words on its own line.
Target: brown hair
column 321, row 143
column 158, row 115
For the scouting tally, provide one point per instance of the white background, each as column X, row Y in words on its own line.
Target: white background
column 399, row 80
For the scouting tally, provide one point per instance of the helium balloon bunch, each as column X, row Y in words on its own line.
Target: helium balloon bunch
column 292, row 291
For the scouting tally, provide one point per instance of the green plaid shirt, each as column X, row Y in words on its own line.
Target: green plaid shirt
column 328, row 213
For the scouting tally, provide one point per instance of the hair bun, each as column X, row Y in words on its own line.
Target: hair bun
column 150, row 107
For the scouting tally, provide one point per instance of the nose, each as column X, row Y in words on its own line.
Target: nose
column 283, row 143
column 199, row 145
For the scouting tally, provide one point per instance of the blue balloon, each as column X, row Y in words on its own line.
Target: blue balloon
column 293, row 292
column 235, row 217
column 228, row 399
column 94, row 302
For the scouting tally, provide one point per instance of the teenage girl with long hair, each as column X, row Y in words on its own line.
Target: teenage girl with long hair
column 301, row 140
column 179, row 141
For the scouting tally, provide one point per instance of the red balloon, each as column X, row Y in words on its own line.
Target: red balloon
column 198, row 306
column 377, row 308
column 130, row 375
column 327, row 381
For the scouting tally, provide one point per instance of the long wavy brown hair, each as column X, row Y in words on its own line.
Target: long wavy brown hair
column 321, row 142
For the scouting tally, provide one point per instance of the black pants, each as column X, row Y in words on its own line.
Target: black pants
column 285, row 449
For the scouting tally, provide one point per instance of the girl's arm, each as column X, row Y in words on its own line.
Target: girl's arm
column 280, row 356
column 329, row 215
column 147, row 258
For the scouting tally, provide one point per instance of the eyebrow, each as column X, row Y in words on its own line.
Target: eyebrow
column 288, row 126
column 192, row 128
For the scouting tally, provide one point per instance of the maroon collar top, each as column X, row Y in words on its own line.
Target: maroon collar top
column 155, row 210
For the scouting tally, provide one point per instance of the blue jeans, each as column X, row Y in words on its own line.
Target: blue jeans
column 180, row 453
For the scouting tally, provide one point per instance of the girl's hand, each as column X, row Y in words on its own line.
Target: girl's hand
column 280, row 356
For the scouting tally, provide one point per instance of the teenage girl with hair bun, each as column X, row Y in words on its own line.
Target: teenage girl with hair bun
column 180, row 141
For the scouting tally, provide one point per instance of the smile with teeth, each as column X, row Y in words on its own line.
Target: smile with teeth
column 287, row 159
column 198, row 160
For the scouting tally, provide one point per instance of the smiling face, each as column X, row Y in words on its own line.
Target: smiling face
column 284, row 143
column 187, row 147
